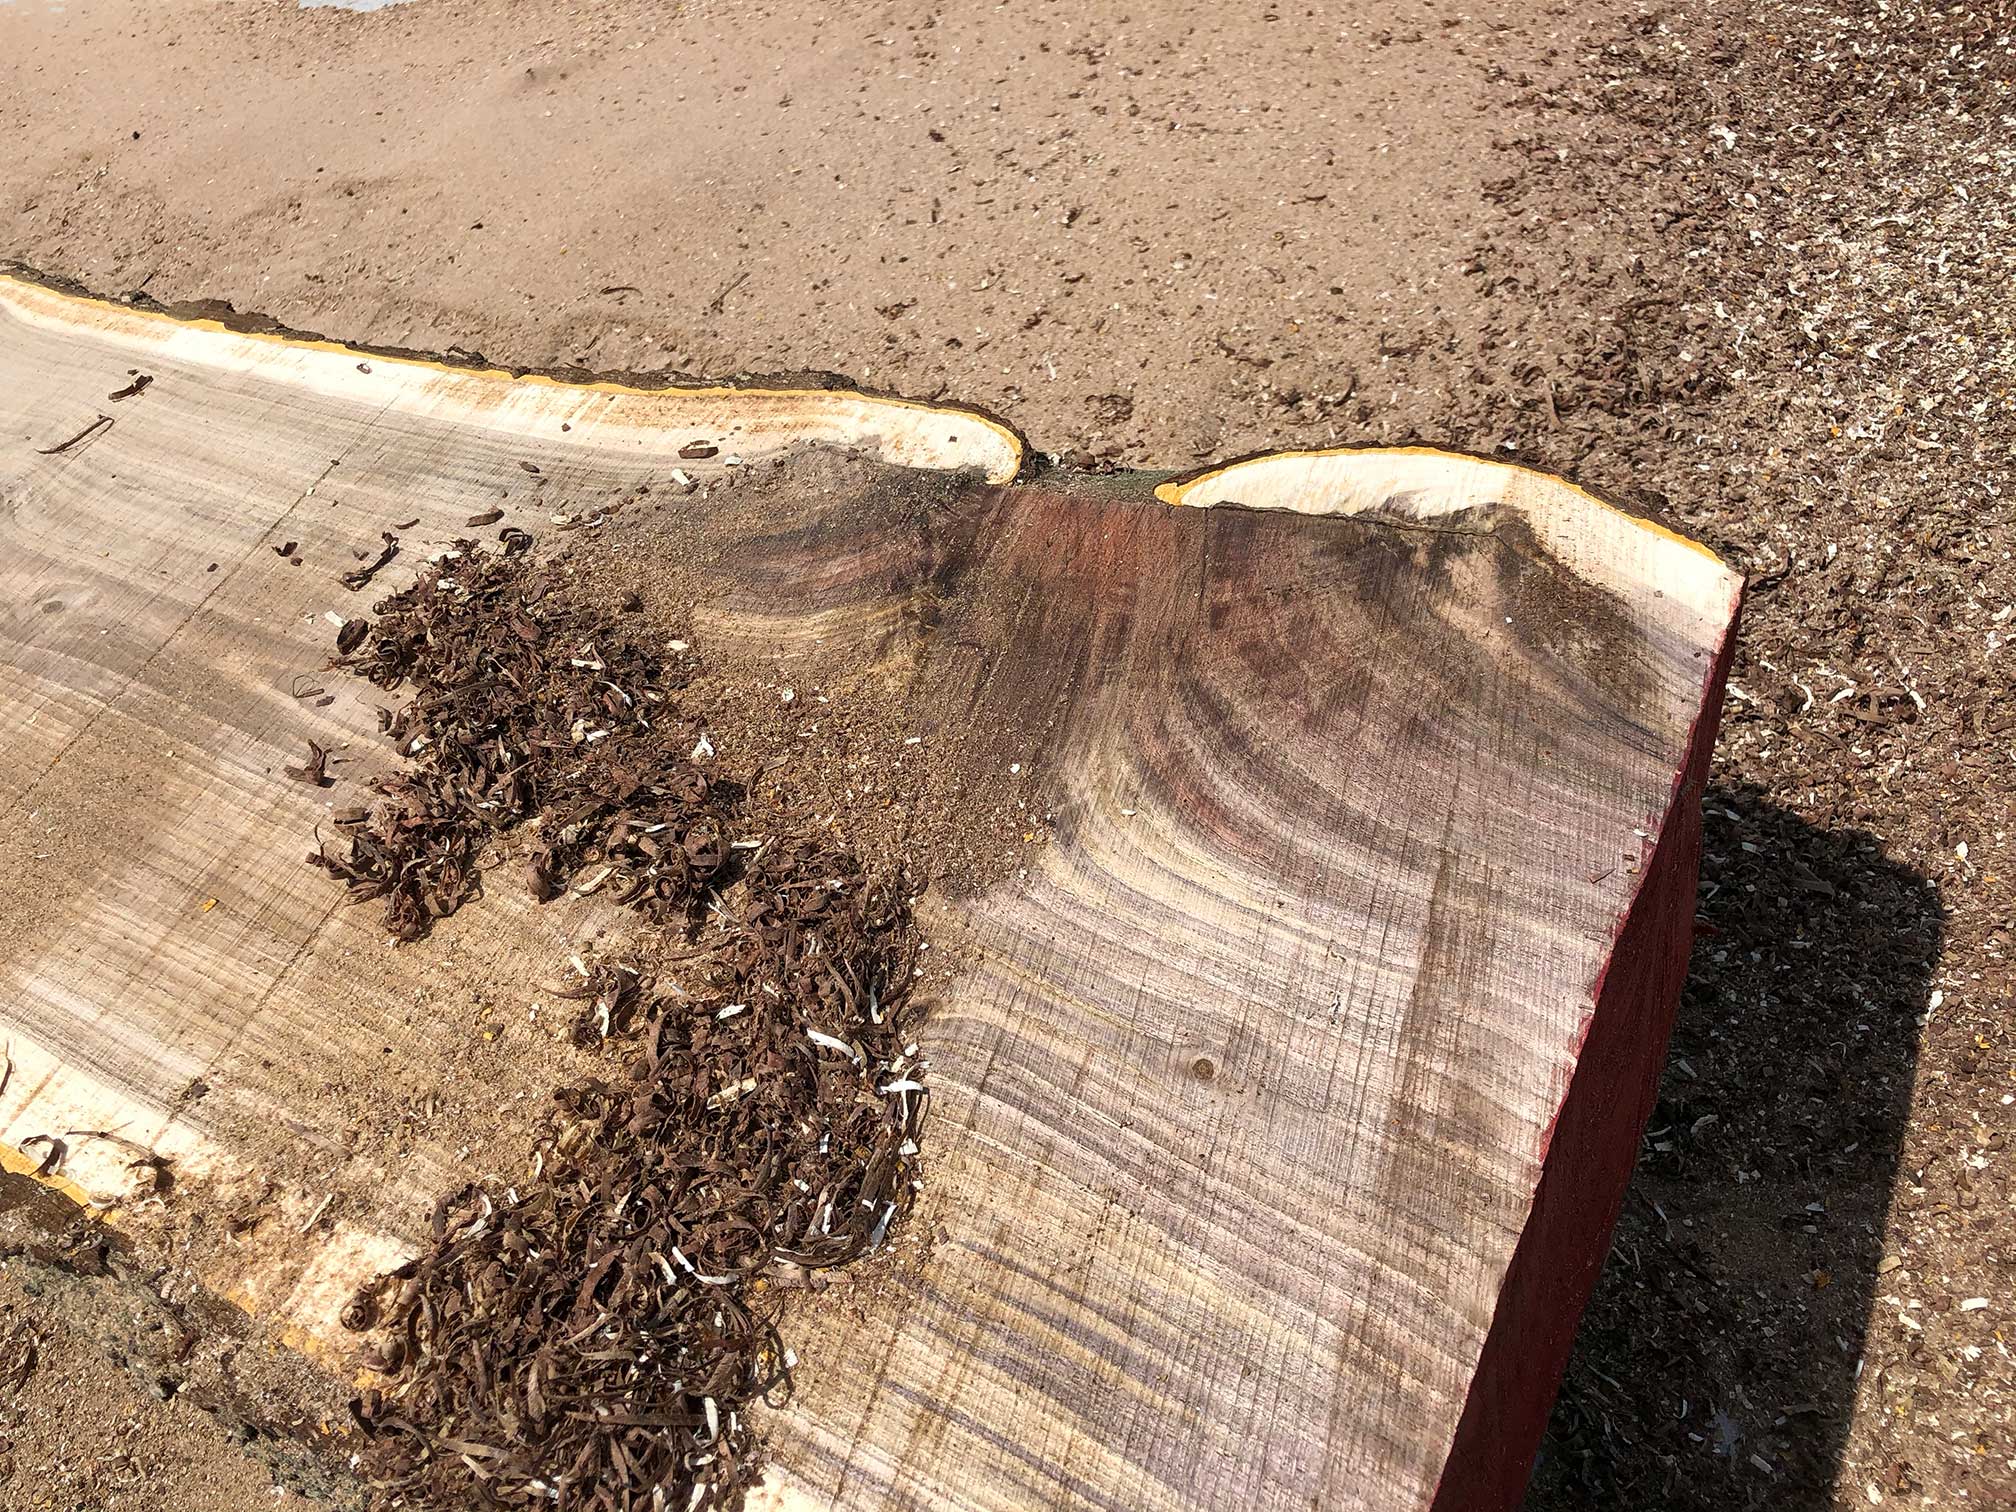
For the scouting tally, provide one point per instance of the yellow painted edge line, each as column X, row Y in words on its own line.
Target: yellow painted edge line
column 13, row 1160
column 590, row 386
column 1173, row 491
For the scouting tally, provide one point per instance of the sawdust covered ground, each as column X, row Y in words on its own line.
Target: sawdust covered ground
column 80, row 1432
column 1746, row 265
column 123, row 1388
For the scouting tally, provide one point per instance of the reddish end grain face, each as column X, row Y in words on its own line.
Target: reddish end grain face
column 1350, row 811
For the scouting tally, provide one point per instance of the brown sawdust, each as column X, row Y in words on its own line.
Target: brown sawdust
column 600, row 1328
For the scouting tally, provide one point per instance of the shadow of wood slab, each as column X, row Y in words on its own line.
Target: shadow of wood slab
column 1281, row 1118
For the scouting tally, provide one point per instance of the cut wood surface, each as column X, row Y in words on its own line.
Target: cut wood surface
column 1278, row 1129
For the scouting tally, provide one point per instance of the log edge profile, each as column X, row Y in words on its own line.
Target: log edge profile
column 1432, row 487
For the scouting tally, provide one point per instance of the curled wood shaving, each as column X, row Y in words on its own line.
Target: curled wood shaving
column 594, row 1336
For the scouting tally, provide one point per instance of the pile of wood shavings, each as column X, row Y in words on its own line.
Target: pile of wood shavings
column 594, row 1336
column 528, row 710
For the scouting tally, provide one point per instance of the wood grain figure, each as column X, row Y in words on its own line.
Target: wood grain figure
column 1278, row 1130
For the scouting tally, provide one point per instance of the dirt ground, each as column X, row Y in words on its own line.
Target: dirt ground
column 1746, row 264
column 123, row 1389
